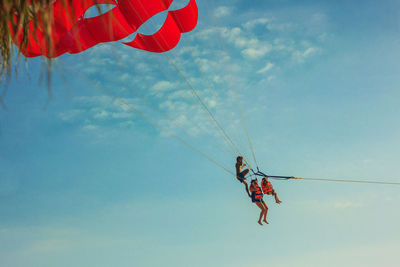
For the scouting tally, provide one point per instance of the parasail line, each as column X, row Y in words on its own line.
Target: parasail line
column 160, row 110
column 238, row 148
column 194, row 92
column 236, row 96
column 346, row 181
column 149, row 120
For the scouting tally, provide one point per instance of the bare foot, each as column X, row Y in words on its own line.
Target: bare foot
column 278, row 201
column 259, row 222
column 266, row 221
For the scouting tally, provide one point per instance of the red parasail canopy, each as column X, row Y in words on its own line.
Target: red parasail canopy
column 72, row 33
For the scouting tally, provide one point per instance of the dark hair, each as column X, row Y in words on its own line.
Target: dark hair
column 238, row 158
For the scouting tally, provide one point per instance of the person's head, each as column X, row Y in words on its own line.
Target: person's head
column 239, row 159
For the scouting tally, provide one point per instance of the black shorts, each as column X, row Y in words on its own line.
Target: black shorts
column 241, row 177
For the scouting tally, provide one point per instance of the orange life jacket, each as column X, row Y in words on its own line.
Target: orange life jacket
column 266, row 186
column 258, row 193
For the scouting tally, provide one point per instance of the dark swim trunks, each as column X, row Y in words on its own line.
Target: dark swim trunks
column 241, row 177
column 253, row 198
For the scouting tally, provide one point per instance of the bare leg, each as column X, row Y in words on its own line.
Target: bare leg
column 266, row 211
column 276, row 197
column 245, row 172
column 261, row 206
column 247, row 188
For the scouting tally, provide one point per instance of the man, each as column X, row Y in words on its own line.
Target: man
column 240, row 175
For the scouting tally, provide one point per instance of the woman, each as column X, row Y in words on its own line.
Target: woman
column 257, row 198
column 267, row 188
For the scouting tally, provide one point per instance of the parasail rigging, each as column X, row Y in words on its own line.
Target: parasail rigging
column 73, row 33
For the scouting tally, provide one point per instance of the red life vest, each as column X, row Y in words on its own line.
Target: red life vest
column 266, row 186
column 258, row 193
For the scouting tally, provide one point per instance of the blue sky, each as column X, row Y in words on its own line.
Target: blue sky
column 86, row 182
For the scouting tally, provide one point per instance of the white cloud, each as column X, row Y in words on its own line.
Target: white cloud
column 251, row 47
column 126, row 77
column 202, row 52
column 281, row 44
column 217, row 79
column 271, row 78
column 301, row 56
column 207, row 33
column 163, row 86
column 266, row 68
column 211, row 102
column 269, row 23
column 203, row 63
column 142, row 67
column 194, row 51
column 102, row 112
column 101, row 115
column 234, row 35
column 179, row 94
column 222, row 11
column 249, row 25
column 257, row 52
column 70, row 115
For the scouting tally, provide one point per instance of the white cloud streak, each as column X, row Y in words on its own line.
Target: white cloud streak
column 222, row 11
column 266, row 68
column 216, row 65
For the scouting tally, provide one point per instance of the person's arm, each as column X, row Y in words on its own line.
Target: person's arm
column 251, row 188
column 241, row 167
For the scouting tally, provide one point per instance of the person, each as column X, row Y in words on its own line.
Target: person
column 257, row 198
column 267, row 188
column 241, row 175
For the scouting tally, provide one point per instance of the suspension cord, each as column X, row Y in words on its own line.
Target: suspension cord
column 155, row 107
column 146, row 118
column 243, row 120
column 348, row 181
column 226, row 137
column 323, row 179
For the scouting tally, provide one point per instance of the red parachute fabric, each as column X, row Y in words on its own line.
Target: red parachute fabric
column 182, row 20
column 73, row 33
